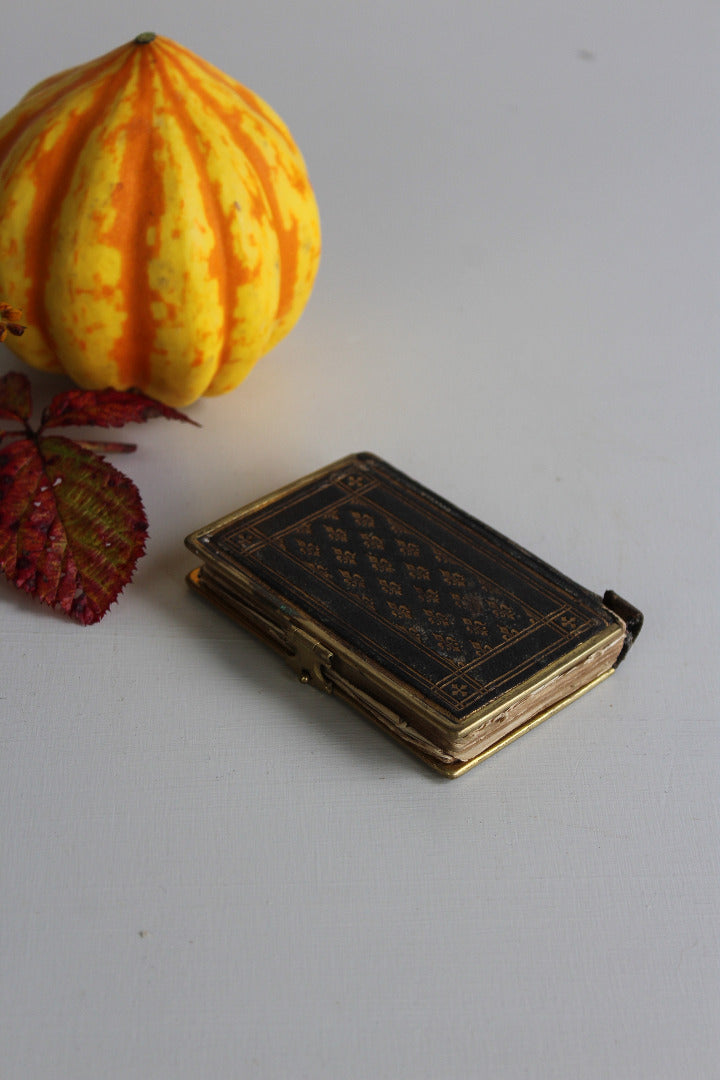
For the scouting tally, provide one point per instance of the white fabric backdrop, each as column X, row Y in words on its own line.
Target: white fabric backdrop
column 210, row 870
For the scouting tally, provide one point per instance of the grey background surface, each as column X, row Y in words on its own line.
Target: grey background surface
column 208, row 869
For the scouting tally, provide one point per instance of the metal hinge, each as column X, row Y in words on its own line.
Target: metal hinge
column 308, row 659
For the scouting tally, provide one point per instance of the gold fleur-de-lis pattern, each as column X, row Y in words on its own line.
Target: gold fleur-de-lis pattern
column 413, row 583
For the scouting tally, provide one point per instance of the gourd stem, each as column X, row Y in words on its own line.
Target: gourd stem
column 145, row 38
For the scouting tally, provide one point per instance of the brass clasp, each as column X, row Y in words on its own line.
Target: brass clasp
column 309, row 658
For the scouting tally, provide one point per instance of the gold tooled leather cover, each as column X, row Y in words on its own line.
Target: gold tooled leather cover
column 443, row 604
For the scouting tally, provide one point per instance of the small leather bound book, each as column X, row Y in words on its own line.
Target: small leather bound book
column 445, row 633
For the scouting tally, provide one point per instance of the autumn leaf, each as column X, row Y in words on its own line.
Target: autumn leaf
column 72, row 526
column 15, row 400
column 105, row 408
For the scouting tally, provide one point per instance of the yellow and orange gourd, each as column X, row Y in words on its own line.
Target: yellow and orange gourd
column 157, row 226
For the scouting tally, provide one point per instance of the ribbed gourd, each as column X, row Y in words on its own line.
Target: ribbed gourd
column 157, row 225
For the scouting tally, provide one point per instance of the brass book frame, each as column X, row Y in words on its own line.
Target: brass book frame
column 448, row 635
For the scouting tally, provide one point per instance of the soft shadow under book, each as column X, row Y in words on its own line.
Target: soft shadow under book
column 452, row 638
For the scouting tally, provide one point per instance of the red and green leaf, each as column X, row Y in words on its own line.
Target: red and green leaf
column 105, row 408
column 72, row 527
column 15, row 398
